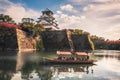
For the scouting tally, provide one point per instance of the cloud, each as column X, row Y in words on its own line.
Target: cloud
column 4, row 4
column 66, row 21
column 17, row 11
column 102, row 7
column 106, row 16
column 113, row 33
column 106, row 1
column 59, row 12
column 99, row 17
column 103, row 13
column 93, row 1
column 89, row 7
column 68, row 7
column 77, row 1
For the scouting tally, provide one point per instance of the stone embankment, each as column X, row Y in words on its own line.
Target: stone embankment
column 12, row 38
column 57, row 40
column 25, row 41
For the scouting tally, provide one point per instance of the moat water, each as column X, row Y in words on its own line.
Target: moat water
column 26, row 66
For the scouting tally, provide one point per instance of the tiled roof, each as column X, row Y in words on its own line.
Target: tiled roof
column 64, row 52
column 81, row 53
column 69, row 53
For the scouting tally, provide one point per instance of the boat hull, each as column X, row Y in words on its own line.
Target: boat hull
column 55, row 61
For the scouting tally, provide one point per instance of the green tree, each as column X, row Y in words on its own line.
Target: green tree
column 99, row 42
column 38, row 29
column 48, row 18
column 37, row 32
column 6, row 18
column 2, row 18
column 27, row 25
column 77, row 31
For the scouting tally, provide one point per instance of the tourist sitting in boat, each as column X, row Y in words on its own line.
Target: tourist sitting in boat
column 59, row 57
column 82, row 56
column 64, row 55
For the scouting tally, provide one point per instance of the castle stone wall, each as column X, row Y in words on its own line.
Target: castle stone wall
column 15, row 39
column 57, row 40
column 25, row 40
column 8, row 39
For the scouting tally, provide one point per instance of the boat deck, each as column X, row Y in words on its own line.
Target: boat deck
column 56, row 61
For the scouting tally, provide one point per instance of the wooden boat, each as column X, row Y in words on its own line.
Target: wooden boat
column 65, row 57
column 55, row 61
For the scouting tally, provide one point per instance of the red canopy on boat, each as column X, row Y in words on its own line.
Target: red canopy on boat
column 81, row 53
column 64, row 53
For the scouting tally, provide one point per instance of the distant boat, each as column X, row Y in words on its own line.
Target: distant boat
column 66, row 57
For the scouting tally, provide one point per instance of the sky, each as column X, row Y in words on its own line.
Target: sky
column 98, row 17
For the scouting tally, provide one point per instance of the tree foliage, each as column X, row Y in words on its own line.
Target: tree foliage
column 80, row 32
column 29, row 26
column 47, row 18
column 101, row 43
column 77, row 31
column 6, row 18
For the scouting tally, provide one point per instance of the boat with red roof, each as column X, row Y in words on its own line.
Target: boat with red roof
column 66, row 57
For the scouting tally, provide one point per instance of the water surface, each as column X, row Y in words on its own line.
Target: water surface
column 25, row 66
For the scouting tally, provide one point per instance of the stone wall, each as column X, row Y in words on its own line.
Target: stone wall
column 57, row 40
column 25, row 40
column 8, row 39
column 81, row 42
column 15, row 39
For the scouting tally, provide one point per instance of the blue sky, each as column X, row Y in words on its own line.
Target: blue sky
column 99, row 17
column 40, row 4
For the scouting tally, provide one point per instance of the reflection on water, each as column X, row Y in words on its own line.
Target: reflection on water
column 71, row 71
column 108, row 54
column 7, row 69
column 25, row 66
